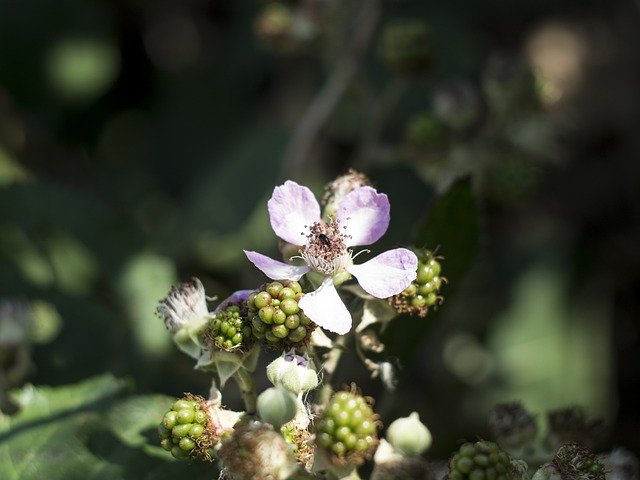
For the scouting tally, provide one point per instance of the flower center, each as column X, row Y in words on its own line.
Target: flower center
column 326, row 251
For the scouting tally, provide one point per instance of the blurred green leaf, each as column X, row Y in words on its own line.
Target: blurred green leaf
column 87, row 431
column 147, row 279
column 453, row 226
column 82, row 68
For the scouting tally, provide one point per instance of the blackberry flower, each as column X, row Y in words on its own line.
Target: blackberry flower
column 361, row 218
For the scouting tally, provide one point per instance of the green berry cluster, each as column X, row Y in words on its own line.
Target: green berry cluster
column 275, row 315
column 347, row 429
column 183, row 430
column 229, row 329
column 423, row 291
column 482, row 460
column 406, row 47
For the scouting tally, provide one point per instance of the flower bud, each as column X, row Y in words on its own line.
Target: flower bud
column 409, row 435
column 185, row 315
column 294, row 372
column 277, row 406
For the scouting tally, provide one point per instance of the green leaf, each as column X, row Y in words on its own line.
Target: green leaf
column 453, row 227
column 89, row 431
column 42, row 439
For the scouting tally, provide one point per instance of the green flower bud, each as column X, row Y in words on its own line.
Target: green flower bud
column 409, row 435
column 294, row 372
column 276, row 406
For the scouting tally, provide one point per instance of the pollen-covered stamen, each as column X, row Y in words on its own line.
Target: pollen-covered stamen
column 326, row 250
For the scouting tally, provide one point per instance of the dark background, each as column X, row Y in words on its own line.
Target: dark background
column 140, row 140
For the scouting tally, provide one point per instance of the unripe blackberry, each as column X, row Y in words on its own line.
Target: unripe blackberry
column 481, row 460
column 406, row 47
column 512, row 425
column 229, row 329
column 276, row 317
column 347, row 429
column 576, row 461
column 185, row 430
column 423, row 292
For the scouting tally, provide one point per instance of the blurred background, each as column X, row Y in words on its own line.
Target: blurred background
column 140, row 140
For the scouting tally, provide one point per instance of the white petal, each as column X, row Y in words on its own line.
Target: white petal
column 325, row 307
column 387, row 274
column 365, row 215
column 292, row 210
column 274, row 269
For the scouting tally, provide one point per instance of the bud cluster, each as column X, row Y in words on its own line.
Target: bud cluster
column 347, row 430
column 276, row 317
column 424, row 290
column 184, row 429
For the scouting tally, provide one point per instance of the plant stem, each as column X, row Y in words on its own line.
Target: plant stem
column 327, row 99
column 329, row 367
column 247, row 388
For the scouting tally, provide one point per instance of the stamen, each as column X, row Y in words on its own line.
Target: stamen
column 326, row 250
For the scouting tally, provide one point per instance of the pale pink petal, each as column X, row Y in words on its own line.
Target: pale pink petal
column 237, row 297
column 365, row 215
column 292, row 210
column 387, row 274
column 274, row 269
column 325, row 307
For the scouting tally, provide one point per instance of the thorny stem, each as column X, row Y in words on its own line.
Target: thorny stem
column 247, row 388
column 327, row 99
